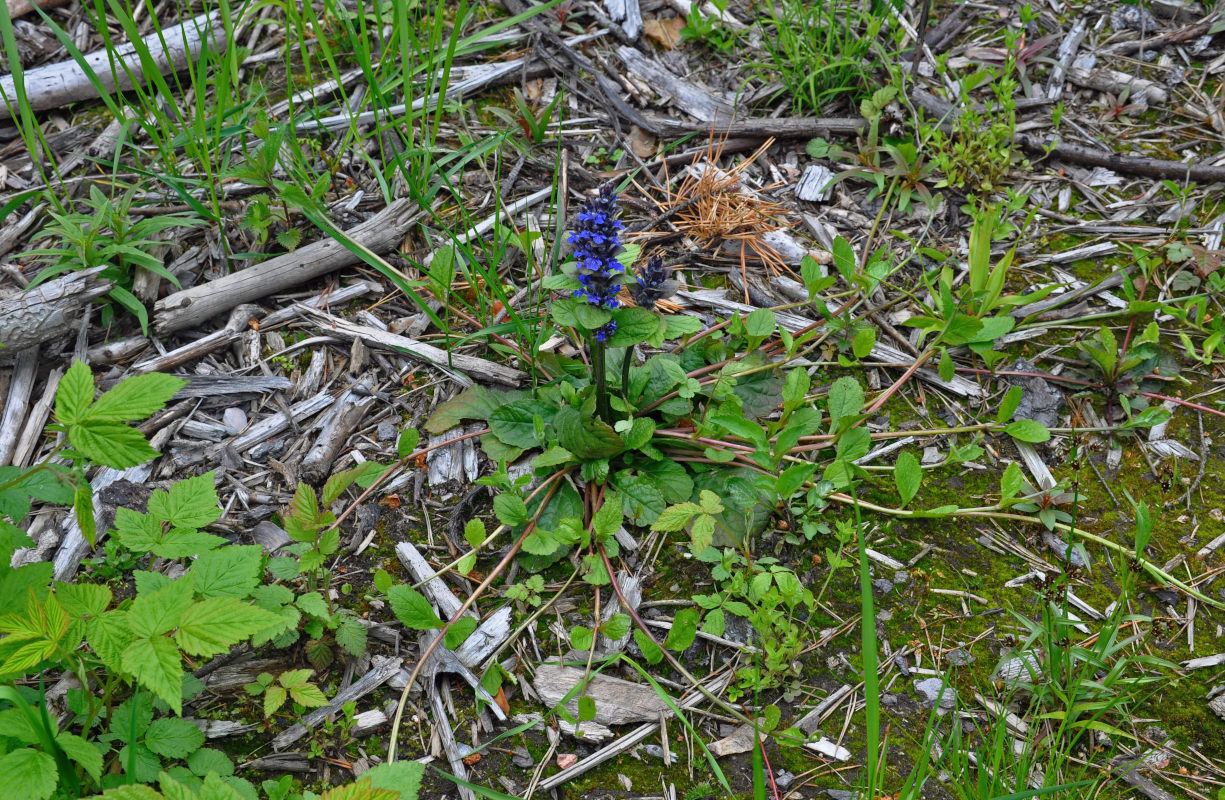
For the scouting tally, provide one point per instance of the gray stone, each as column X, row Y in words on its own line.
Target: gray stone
column 386, row 432
column 522, row 758
column 933, row 690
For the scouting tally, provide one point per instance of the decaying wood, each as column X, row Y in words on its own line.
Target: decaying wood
column 19, row 8
column 173, row 49
column 36, row 420
column 339, row 424
column 1115, row 82
column 21, row 386
column 232, row 332
column 617, row 702
column 381, row 669
column 452, row 363
column 47, row 311
column 627, row 15
column 271, row 426
column 685, row 95
column 1063, row 58
column 628, row 741
column 192, row 306
column 434, row 588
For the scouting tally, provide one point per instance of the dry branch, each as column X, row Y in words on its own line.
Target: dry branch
column 59, row 84
column 192, row 306
column 48, row 311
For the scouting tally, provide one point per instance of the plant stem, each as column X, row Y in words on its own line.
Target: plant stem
column 601, row 380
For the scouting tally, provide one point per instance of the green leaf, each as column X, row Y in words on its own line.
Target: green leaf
column 135, row 398
column 586, row 437
column 640, row 500
column 634, row 325
column 760, row 323
column 190, row 503
column 863, row 343
column 412, row 609
column 83, row 600
column 845, row 400
column 274, row 697
column 844, row 258
column 407, row 442
column 586, row 706
column 74, row 394
column 45, row 485
column 81, row 752
column 231, row 571
column 351, row 636
column 684, row 629
column 475, row 403
column 109, row 635
column 28, row 774
column 618, row 625
column 591, row 317
column 606, row 521
column 715, row 623
column 1027, row 430
column 154, row 662
column 398, row 776
column 670, row 478
column 676, row 517
column 111, row 444
column 459, row 632
column 510, row 509
column 159, row 611
column 474, row 533
column 1011, row 482
column 650, row 650
column 1008, row 406
column 173, row 738
column 313, row 603
column 83, row 510
column 907, row 475
column 515, row 423
column 215, row 624
column 309, row 695
column 681, row 325
column 581, row 637
column 206, row 760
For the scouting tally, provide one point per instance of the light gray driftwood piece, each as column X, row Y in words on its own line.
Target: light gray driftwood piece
column 617, row 702
column 35, row 421
column 626, row 742
column 341, row 421
column 65, row 82
column 47, row 311
column 434, row 588
column 627, row 16
column 191, row 306
column 488, row 371
column 238, row 322
column 1067, row 52
column 383, row 667
column 272, row 425
column 687, row 96
column 21, row 386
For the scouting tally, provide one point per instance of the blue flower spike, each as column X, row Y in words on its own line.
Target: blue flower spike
column 597, row 240
column 652, row 283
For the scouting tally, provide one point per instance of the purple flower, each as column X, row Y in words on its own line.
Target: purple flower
column 606, row 330
column 652, row 283
column 597, row 240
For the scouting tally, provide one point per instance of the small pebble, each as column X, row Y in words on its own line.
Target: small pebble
column 386, row 431
column 658, row 752
column 566, row 760
column 522, row 758
column 783, row 779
